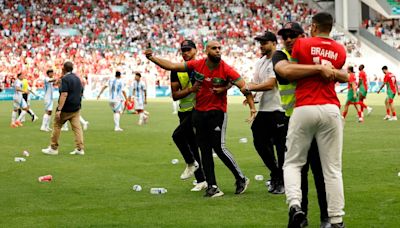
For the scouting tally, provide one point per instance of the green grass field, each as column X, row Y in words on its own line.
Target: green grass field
column 95, row 190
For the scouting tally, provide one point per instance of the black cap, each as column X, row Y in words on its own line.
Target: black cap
column 267, row 36
column 188, row 44
column 291, row 26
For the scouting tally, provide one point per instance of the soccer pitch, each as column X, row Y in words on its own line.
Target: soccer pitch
column 95, row 190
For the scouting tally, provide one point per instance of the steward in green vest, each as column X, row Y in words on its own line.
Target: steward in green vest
column 184, row 89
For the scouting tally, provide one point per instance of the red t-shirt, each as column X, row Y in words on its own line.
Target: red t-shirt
column 315, row 90
column 206, row 100
column 352, row 79
column 391, row 80
column 362, row 76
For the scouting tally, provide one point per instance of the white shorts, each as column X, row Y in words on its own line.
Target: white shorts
column 116, row 106
column 139, row 104
column 48, row 105
column 20, row 103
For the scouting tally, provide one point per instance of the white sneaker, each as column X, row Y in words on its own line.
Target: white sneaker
column 387, row 117
column 369, row 110
column 85, row 125
column 118, row 129
column 35, row 118
column 78, row 152
column 360, row 120
column 44, row 129
column 64, row 129
column 50, row 151
column 200, row 186
column 189, row 171
column 393, row 118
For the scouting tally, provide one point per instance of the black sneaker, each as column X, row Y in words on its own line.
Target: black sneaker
column 325, row 223
column 241, row 185
column 296, row 217
column 279, row 188
column 213, row 191
column 271, row 185
column 338, row 225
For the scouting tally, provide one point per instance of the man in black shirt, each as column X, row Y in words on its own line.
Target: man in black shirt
column 69, row 105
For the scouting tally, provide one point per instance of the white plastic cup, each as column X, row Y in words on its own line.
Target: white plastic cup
column 259, row 177
column 19, row 159
column 137, row 188
column 174, row 161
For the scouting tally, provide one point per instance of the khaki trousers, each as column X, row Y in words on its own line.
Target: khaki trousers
column 325, row 123
column 73, row 118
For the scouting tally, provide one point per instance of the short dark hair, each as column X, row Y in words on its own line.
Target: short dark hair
column 68, row 66
column 138, row 74
column 324, row 21
column 19, row 74
column 49, row 71
column 384, row 68
column 351, row 69
column 117, row 74
column 361, row 67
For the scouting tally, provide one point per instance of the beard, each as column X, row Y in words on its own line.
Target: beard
column 215, row 59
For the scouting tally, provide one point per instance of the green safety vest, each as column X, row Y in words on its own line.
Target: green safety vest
column 288, row 98
column 187, row 103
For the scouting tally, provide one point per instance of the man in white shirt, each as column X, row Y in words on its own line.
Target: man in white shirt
column 140, row 95
column 116, row 96
column 18, row 103
column 269, row 125
column 48, row 100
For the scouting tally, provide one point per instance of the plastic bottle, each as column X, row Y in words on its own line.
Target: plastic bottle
column 18, row 159
column 157, row 191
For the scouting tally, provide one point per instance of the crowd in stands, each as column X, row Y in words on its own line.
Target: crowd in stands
column 105, row 35
column 387, row 30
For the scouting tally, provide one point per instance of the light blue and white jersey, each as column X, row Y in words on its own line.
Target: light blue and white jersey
column 116, row 87
column 139, row 88
column 48, row 89
column 17, row 94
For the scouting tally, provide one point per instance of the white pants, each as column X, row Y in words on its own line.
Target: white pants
column 325, row 123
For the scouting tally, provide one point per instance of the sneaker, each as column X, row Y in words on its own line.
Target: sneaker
column 200, row 186
column 50, row 151
column 64, row 129
column 189, row 171
column 296, row 217
column 393, row 118
column 387, row 117
column 13, row 125
column 44, row 129
column 360, row 120
column 85, row 125
column 369, row 110
column 279, row 188
column 325, row 223
column 213, row 192
column 18, row 123
column 271, row 185
column 35, row 118
column 118, row 129
column 338, row 225
column 241, row 185
column 77, row 152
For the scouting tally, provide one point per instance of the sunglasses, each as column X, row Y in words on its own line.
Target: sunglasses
column 291, row 35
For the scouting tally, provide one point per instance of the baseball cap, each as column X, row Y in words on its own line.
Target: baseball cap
column 291, row 26
column 188, row 44
column 267, row 36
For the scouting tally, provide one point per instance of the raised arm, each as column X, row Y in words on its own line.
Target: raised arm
column 164, row 63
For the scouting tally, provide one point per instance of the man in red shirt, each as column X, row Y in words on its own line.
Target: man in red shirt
column 391, row 89
column 209, row 117
column 363, row 89
column 316, row 114
column 352, row 97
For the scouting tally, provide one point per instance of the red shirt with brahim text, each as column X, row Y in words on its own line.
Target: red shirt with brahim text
column 206, row 100
column 314, row 90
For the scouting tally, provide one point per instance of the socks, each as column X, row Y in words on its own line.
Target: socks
column 14, row 116
column 388, row 112
column 23, row 113
column 393, row 113
column 117, row 116
column 83, row 121
column 141, row 118
column 46, row 121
